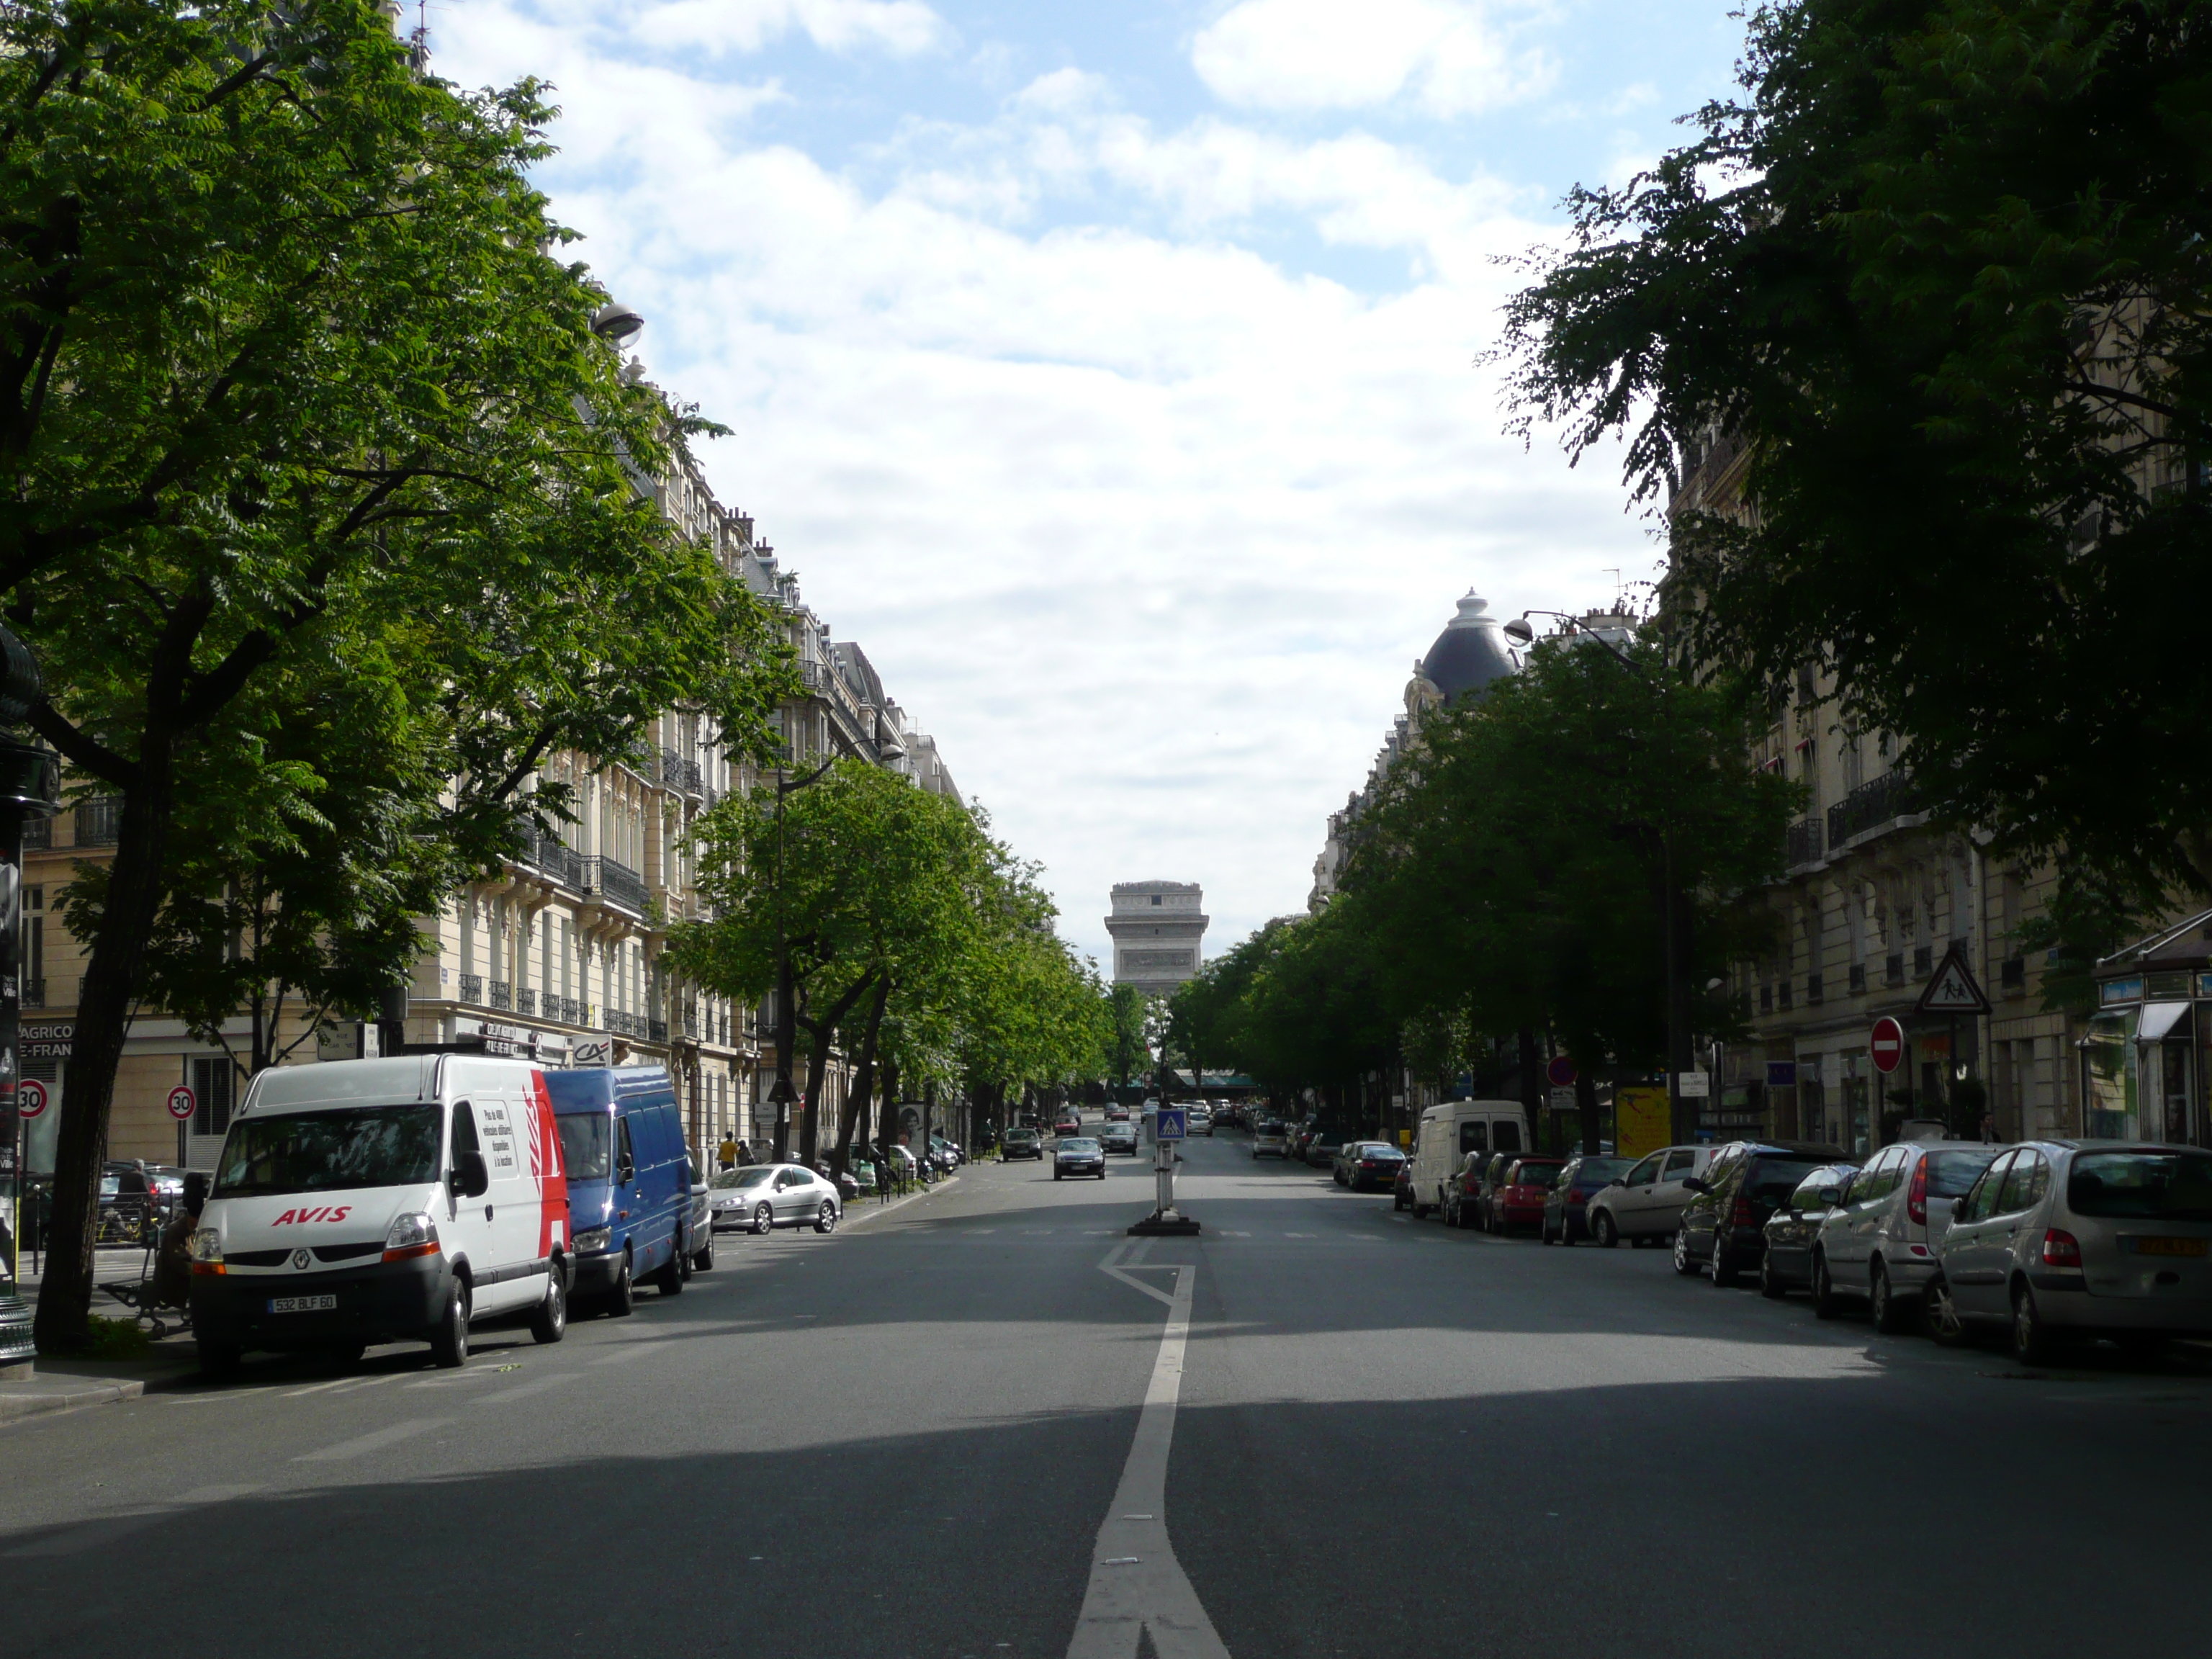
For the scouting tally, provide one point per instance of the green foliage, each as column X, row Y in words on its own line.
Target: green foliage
column 1940, row 280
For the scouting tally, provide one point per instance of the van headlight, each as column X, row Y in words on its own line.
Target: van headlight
column 592, row 1238
column 205, row 1245
column 410, row 1235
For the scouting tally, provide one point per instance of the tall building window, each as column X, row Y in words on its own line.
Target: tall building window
column 34, row 944
column 214, row 1081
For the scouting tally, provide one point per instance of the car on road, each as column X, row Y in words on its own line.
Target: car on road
column 1462, row 1191
column 1067, row 1123
column 699, row 1229
column 1117, row 1114
column 1321, row 1147
column 763, row 1197
column 1723, row 1229
column 1517, row 1195
column 1270, row 1140
column 1880, row 1241
column 1402, row 1187
column 2062, row 1238
column 1021, row 1142
column 947, row 1153
column 629, row 1199
column 1119, row 1138
column 1786, row 1263
column 1645, row 1205
column 1367, row 1166
column 1201, row 1121
column 1584, row 1177
column 1079, row 1154
column 1448, row 1133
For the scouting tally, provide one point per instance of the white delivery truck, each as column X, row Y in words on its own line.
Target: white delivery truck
column 378, row 1200
column 1449, row 1132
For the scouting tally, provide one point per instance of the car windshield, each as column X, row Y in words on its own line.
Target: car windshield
column 1772, row 1180
column 1950, row 1173
column 330, row 1151
column 1597, row 1171
column 1021, row 1134
column 2146, row 1186
column 1078, row 1144
column 584, row 1141
column 741, row 1177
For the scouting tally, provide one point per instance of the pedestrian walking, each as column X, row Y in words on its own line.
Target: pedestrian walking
column 727, row 1154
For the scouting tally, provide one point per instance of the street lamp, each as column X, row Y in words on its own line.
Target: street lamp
column 29, row 783
column 1519, row 631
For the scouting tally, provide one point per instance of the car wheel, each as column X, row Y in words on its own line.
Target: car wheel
column 1056, row 1175
column 551, row 1322
column 1940, row 1310
column 825, row 1218
column 622, row 1298
column 668, row 1278
column 1397, row 1201
column 1825, row 1305
column 1770, row 1282
column 1891, row 1315
column 218, row 1360
column 2032, row 1343
column 449, row 1343
column 1604, row 1231
column 703, row 1262
column 1544, row 1228
column 1724, row 1266
column 763, row 1220
column 1683, row 1264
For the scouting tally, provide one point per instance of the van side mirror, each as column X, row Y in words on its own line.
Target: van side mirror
column 625, row 1172
column 470, row 1177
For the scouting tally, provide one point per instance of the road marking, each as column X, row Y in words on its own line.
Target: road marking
column 1301, row 1235
column 524, row 1390
column 1137, row 1586
column 632, row 1349
column 90, row 1534
column 361, row 1445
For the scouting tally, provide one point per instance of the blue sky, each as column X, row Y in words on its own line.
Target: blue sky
column 1109, row 372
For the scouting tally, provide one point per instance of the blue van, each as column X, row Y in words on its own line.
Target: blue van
column 629, row 1180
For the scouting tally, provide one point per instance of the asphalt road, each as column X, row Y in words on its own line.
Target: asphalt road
column 946, row 1431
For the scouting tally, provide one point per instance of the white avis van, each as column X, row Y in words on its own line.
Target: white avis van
column 381, row 1200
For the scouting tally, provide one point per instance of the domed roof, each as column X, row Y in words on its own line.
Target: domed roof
column 1470, row 652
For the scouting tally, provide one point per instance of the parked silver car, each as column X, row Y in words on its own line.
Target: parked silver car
column 1645, row 1205
column 1879, row 1238
column 764, row 1196
column 1270, row 1138
column 2080, row 1237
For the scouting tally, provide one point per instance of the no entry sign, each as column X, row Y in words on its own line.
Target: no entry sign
column 182, row 1103
column 30, row 1098
column 1887, row 1044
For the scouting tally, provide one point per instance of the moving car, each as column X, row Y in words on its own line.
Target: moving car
column 1644, row 1205
column 1786, row 1264
column 1448, row 1132
column 1022, row 1143
column 1564, row 1206
column 1067, row 1123
column 766, row 1196
column 1879, row 1240
column 2060, row 1238
column 1367, row 1165
column 1117, row 1114
column 377, row 1200
column 1724, row 1224
column 1201, row 1121
column 1119, row 1138
column 1516, row 1193
column 1270, row 1140
column 1079, row 1154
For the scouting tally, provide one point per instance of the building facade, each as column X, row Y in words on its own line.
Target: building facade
column 1159, row 929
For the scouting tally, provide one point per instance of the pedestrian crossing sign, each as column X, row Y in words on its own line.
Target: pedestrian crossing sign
column 1954, row 989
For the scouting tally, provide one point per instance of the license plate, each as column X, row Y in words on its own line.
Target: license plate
column 2171, row 1246
column 302, row 1303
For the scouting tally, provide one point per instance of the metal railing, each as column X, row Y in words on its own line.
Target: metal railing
column 618, row 883
column 502, row 996
column 678, row 773
column 1804, row 844
column 472, row 987
column 99, row 821
column 1888, row 797
column 656, row 1030
column 34, row 994
column 525, row 1001
column 38, row 835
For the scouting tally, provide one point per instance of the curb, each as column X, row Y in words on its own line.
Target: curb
column 938, row 1186
column 14, row 1408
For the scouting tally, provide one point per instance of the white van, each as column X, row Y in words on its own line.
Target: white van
column 1449, row 1132
column 378, row 1200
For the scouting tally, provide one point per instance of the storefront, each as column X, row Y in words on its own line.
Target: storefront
column 2144, row 1056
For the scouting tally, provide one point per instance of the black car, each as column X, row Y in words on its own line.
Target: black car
column 1021, row 1142
column 1786, row 1264
column 1566, row 1211
column 1367, row 1166
column 1079, row 1154
column 1724, row 1224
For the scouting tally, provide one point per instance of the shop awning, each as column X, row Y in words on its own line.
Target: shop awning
column 2158, row 1019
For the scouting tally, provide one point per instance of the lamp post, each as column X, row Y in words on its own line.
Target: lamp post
column 1681, row 1125
column 29, row 783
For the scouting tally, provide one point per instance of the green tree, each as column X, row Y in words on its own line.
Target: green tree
column 1938, row 284
column 293, row 395
column 1126, row 1046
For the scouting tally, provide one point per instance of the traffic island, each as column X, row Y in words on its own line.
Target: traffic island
column 1168, row 1224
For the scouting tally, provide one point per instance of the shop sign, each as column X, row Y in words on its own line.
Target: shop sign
column 2121, row 990
column 1696, row 1085
column 46, row 1039
column 1781, row 1074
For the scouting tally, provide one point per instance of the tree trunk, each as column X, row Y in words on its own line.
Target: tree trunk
column 103, row 1021
column 1532, row 1082
column 864, row 1080
column 824, row 1032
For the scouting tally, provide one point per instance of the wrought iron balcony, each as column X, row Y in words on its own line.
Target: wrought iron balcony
column 473, row 988
column 99, row 821
column 678, row 773
column 656, row 1030
column 1804, row 843
column 38, row 834
column 618, row 883
column 502, row 996
column 525, row 1001
column 1889, row 797
column 34, row 994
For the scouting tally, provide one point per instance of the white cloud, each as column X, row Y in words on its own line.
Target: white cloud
column 1145, row 524
column 1448, row 57
column 901, row 28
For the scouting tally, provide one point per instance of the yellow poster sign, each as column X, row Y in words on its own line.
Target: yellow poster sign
column 1642, row 1121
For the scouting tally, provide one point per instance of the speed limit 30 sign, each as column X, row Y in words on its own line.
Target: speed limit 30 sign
column 30, row 1098
column 182, row 1102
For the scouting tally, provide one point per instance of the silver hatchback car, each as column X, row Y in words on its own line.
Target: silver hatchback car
column 1880, row 1234
column 2081, row 1237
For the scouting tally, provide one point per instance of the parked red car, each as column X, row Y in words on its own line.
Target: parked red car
column 1517, row 1199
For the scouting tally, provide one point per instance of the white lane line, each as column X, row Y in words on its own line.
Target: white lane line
column 92, row 1534
column 1136, row 1583
column 1301, row 1235
column 524, row 1390
column 361, row 1445
column 632, row 1349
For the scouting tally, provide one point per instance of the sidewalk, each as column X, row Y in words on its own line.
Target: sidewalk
column 858, row 1209
column 62, row 1385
